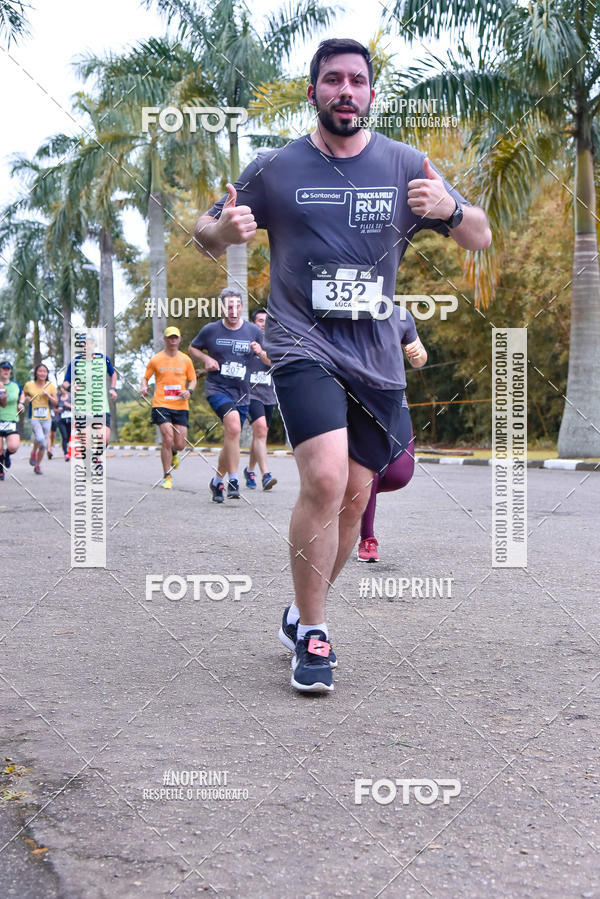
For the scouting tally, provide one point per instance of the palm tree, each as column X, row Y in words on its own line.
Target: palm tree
column 151, row 162
column 235, row 58
column 41, row 290
column 528, row 87
column 13, row 20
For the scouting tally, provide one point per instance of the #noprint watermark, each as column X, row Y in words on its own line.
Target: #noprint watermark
column 403, row 112
column 195, row 587
column 403, row 790
column 401, row 587
column 509, row 447
column 185, row 307
column 195, row 784
column 88, row 442
column 210, row 118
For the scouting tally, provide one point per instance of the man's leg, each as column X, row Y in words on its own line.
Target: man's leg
column 179, row 437
column 314, row 530
column 229, row 457
column 166, row 446
column 258, row 447
column 356, row 497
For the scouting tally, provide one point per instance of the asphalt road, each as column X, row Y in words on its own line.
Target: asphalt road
column 107, row 696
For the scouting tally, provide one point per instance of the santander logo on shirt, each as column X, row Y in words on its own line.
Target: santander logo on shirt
column 370, row 209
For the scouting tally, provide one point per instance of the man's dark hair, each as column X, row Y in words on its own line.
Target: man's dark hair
column 334, row 46
column 258, row 312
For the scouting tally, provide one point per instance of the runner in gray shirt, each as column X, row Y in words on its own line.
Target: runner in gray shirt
column 340, row 206
column 262, row 403
column 226, row 349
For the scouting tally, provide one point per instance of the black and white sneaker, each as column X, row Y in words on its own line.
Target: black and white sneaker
column 287, row 635
column 233, row 489
column 310, row 664
column 218, row 491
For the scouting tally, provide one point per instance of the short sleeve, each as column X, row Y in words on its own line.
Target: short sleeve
column 68, row 373
column 410, row 329
column 250, row 192
column 199, row 340
column 190, row 370
column 109, row 366
column 149, row 369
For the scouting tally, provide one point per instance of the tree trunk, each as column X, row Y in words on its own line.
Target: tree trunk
column 106, row 312
column 66, row 331
column 37, row 352
column 158, row 264
column 579, row 434
column 237, row 254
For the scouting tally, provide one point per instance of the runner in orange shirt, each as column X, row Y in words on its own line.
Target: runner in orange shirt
column 175, row 382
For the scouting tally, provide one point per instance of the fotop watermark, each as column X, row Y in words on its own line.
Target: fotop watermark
column 380, row 308
column 195, row 784
column 185, row 307
column 215, row 587
column 425, row 791
column 341, row 298
column 210, row 118
column 402, row 112
column 400, row 587
column 509, row 447
column 87, row 378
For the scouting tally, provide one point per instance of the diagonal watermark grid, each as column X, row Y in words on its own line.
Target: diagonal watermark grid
column 403, row 659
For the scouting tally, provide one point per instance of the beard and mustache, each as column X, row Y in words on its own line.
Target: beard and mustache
column 344, row 127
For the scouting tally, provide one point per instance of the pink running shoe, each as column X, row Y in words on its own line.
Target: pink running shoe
column 367, row 550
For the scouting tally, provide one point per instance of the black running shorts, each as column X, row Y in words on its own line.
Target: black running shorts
column 161, row 415
column 258, row 409
column 314, row 400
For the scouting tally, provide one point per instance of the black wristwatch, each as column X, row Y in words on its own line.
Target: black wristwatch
column 456, row 217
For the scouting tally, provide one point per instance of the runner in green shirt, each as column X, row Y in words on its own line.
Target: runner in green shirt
column 11, row 403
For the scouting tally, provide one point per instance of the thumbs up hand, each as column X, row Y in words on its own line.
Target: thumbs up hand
column 428, row 198
column 236, row 224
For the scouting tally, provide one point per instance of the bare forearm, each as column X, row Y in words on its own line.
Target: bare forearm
column 473, row 233
column 206, row 237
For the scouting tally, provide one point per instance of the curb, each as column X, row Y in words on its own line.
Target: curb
column 556, row 464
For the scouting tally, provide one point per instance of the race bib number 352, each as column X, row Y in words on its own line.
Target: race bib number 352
column 344, row 291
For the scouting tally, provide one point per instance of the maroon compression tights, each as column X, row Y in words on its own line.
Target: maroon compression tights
column 396, row 476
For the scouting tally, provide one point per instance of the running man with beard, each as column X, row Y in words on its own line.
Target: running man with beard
column 340, row 206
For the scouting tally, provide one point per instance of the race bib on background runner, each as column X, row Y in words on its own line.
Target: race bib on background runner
column 261, row 377
column 233, row 370
column 40, row 412
column 345, row 291
column 172, row 391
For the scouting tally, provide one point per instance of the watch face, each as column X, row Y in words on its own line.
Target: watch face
column 456, row 217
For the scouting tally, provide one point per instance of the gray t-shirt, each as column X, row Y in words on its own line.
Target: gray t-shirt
column 231, row 348
column 340, row 222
